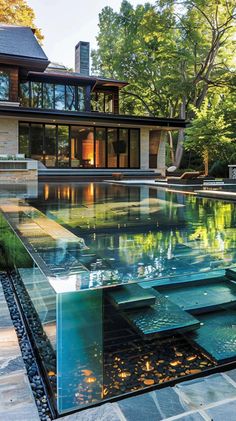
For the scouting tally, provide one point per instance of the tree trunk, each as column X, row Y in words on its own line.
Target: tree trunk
column 206, row 162
column 180, row 143
column 172, row 152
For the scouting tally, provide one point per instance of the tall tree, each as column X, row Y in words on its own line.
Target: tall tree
column 175, row 55
column 18, row 12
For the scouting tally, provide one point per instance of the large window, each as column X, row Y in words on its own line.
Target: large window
column 24, row 139
column 48, row 95
column 63, row 146
column 50, row 145
column 36, row 94
column 82, row 147
column 60, row 97
column 102, row 102
column 52, row 96
column 4, row 86
column 112, row 148
column 74, row 146
column 123, row 148
column 134, row 153
column 37, row 141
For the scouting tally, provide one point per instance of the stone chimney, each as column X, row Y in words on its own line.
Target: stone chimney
column 82, row 58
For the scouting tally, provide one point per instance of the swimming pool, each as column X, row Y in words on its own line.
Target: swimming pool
column 110, row 273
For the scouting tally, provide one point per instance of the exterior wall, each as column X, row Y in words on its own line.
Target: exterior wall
column 8, row 136
column 160, row 138
column 18, row 176
column 14, row 78
column 161, row 157
column 144, row 148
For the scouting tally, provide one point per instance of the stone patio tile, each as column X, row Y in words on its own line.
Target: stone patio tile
column 10, row 354
column 194, row 416
column 231, row 374
column 168, row 402
column 15, row 392
column 206, row 390
column 140, row 408
column 27, row 412
column 226, row 411
column 106, row 412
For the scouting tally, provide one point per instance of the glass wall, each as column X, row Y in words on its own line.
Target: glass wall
column 134, row 148
column 50, row 145
column 123, row 147
column 4, row 86
column 37, row 142
column 67, row 146
column 52, row 96
column 63, row 155
column 102, row 102
column 112, row 146
column 100, row 152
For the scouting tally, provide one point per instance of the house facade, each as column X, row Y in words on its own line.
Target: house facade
column 70, row 120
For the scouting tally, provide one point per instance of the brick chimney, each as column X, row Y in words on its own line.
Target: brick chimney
column 82, row 58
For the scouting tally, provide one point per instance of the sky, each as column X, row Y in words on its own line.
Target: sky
column 65, row 22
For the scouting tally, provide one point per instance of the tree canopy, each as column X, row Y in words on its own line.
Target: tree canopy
column 174, row 54
column 18, row 12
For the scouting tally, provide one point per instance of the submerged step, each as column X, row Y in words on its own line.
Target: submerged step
column 217, row 335
column 231, row 274
column 131, row 296
column 162, row 319
column 202, row 296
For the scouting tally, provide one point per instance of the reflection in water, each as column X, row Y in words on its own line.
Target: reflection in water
column 142, row 232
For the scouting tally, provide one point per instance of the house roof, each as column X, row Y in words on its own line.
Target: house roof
column 20, row 41
column 66, row 75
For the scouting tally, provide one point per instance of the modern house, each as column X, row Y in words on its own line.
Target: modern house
column 70, row 120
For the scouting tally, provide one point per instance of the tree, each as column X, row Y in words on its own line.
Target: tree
column 173, row 54
column 209, row 135
column 17, row 12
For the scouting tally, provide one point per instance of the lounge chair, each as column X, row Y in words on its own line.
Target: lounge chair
column 187, row 175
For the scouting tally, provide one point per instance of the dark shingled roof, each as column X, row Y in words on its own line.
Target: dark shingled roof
column 20, row 41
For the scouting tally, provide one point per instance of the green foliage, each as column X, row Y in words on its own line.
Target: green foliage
column 17, row 12
column 171, row 54
column 210, row 132
column 179, row 58
column 12, row 251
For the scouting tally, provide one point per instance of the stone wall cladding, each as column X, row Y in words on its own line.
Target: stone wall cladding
column 18, row 176
column 8, row 136
column 144, row 148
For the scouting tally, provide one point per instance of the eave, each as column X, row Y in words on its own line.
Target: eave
column 91, row 117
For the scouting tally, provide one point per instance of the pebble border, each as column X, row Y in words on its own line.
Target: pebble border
column 26, row 350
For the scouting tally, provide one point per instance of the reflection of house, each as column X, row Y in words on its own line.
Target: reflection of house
column 70, row 119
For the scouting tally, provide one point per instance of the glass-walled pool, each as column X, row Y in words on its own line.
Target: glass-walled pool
column 123, row 288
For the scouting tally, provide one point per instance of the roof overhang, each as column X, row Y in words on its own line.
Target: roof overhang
column 24, row 63
column 92, row 118
column 70, row 77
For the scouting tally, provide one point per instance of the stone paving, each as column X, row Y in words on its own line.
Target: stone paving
column 211, row 398
column 16, row 399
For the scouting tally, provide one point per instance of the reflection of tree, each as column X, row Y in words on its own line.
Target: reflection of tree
column 214, row 230
column 133, row 247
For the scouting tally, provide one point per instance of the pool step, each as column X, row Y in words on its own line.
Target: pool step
column 164, row 318
column 217, row 335
column 131, row 296
column 202, row 296
column 231, row 274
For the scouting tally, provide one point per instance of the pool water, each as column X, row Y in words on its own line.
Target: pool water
column 140, row 232
column 142, row 278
